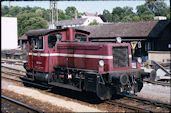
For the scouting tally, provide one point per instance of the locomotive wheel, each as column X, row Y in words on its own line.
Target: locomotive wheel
column 124, row 79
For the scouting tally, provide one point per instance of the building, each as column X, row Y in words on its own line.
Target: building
column 83, row 20
column 9, row 33
column 22, row 41
column 160, row 18
column 147, row 35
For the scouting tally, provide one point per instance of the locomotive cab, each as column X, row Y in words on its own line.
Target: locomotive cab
column 42, row 49
column 67, row 59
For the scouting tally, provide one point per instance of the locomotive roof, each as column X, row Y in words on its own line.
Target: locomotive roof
column 41, row 32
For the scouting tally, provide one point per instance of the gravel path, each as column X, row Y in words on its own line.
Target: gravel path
column 157, row 92
column 73, row 106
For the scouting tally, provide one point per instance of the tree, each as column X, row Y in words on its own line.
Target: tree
column 46, row 14
column 127, row 19
column 7, row 15
column 70, row 12
column 168, row 16
column 163, row 12
column 14, row 10
column 147, row 16
column 144, row 13
column 94, row 22
column 117, row 14
column 128, row 11
column 4, row 10
column 30, row 21
column 107, row 15
column 155, row 6
column 39, row 12
column 61, row 15
column 141, row 9
column 124, row 14
column 136, row 18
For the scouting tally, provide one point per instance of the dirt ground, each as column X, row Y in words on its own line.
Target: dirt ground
column 44, row 106
column 46, row 100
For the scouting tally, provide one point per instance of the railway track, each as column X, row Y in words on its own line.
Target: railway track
column 125, row 101
column 11, row 105
column 15, row 62
column 158, row 83
column 10, row 68
column 23, row 79
column 140, row 104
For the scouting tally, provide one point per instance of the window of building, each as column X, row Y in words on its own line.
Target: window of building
column 80, row 38
column 53, row 38
column 147, row 46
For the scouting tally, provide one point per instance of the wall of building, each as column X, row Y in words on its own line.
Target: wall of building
column 91, row 19
column 159, row 56
column 9, row 33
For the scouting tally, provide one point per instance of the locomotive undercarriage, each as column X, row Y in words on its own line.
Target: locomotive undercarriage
column 104, row 85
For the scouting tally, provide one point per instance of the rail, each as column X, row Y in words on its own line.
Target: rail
column 24, row 80
column 13, row 68
column 137, row 109
column 140, row 104
column 158, row 82
column 29, row 108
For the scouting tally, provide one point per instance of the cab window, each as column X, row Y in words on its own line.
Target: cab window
column 80, row 38
column 37, row 43
column 53, row 38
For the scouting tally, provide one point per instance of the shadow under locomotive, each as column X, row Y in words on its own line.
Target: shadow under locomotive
column 88, row 97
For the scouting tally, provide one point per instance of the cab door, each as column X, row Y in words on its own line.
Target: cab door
column 53, row 40
column 37, row 58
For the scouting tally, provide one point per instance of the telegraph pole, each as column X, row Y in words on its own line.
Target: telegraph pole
column 9, row 4
column 54, row 13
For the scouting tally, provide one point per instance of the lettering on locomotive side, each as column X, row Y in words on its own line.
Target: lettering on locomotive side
column 37, row 62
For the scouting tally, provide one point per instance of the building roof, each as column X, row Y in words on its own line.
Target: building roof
column 90, row 14
column 42, row 32
column 126, row 29
column 71, row 22
column 23, row 37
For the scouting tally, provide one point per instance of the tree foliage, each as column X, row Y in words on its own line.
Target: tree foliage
column 94, row 22
column 36, row 17
column 70, row 11
column 144, row 12
column 108, row 15
column 155, row 6
column 30, row 21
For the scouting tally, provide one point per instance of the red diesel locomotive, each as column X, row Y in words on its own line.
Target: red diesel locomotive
column 66, row 59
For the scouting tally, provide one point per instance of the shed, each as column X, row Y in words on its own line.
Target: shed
column 149, row 35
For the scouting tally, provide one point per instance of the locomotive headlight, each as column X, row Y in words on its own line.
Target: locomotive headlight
column 139, row 59
column 118, row 39
column 101, row 63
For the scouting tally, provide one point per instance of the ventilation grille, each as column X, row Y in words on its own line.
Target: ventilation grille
column 120, row 57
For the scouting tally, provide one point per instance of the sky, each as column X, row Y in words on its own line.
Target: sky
column 83, row 6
